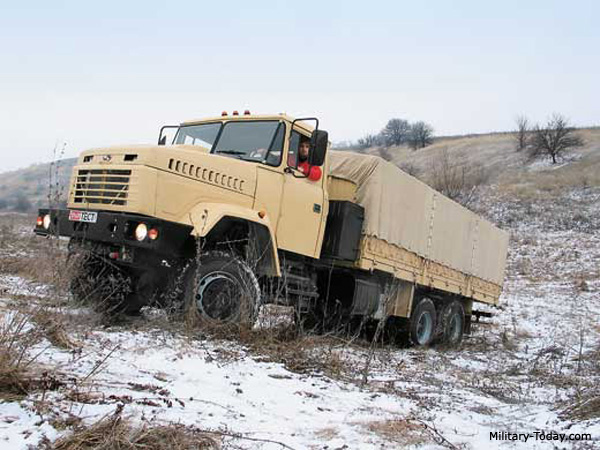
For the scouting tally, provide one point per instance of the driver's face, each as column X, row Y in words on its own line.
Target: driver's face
column 303, row 150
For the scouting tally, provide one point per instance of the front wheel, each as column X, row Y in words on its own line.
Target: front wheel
column 221, row 288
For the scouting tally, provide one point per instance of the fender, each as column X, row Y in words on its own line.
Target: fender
column 204, row 216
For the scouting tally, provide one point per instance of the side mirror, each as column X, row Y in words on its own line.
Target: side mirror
column 162, row 140
column 318, row 147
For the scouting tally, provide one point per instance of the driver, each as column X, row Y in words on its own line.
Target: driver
column 303, row 151
column 313, row 173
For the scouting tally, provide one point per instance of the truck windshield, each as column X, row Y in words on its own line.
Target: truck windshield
column 203, row 135
column 260, row 141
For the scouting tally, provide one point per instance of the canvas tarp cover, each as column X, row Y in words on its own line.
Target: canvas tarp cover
column 406, row 212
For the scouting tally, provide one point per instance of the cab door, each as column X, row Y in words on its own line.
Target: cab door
column 302, row 208
column 269, row 179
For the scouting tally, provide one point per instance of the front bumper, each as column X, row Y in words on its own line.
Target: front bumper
column 117, row 229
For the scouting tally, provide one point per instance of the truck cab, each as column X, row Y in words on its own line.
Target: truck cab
column 224, row 181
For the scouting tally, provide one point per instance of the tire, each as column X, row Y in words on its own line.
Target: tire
column 221, row 288
column 145, row 292
column 422, row 325
column 452, row 323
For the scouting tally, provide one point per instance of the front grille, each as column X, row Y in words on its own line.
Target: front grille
column 102, row 186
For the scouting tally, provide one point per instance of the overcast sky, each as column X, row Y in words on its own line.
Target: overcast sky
column 108, row 72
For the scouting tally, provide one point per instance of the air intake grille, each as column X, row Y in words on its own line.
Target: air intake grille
column 103, row 186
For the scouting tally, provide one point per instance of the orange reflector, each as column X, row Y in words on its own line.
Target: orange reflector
column 39, row 221
column 235, row 113
column 247, row 112
column 262, row 213
column 153, row 233
column 224, row 113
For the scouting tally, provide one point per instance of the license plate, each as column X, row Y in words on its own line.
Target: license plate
column 83, row 216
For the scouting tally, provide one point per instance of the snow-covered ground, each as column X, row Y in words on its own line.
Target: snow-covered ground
column 517, row 373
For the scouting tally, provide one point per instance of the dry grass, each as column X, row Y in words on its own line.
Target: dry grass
column 115, row 432
column 20, row 373
column 583, row 174
column 586, row 406
column 15, row 362
column 401, row 431
column 303, row 354
column 34, row 258
column 53, row 325
column 286, row 345
column 27, row 317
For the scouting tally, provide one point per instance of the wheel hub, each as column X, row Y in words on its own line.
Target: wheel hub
column 424, row 328
column 218, row 296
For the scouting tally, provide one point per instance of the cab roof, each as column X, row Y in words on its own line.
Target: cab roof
column 304, row 126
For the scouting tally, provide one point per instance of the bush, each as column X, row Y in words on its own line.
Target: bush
column 456, row 178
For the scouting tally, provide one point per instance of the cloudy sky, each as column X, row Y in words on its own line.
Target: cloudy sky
column 104, row 73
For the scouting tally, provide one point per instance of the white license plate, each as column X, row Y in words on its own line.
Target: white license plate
column 83, row 216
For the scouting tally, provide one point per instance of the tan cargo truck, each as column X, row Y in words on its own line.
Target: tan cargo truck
column 244, row 210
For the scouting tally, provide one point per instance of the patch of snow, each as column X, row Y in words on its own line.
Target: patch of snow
column 545, row 163
column 20, row 428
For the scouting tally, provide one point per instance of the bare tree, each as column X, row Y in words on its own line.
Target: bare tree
column 522, row 137
column 554, row 139
column 396, row 132
column 367, row 141
column 456, row 178
column 420, row 135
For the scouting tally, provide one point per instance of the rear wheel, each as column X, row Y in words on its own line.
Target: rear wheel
column 423, row 323
column 221, row 288
column 452, row 323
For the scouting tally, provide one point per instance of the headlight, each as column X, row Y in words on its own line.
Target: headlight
column 46, row 221
column 141, row 231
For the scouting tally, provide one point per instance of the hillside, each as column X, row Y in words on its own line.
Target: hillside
column 511, row 171
column 27, row 189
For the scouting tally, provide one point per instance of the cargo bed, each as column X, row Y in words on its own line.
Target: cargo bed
column 417, row 234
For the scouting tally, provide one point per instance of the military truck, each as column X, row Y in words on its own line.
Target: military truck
column 234, row 211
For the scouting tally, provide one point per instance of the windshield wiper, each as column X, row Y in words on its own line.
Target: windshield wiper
column 231, row 152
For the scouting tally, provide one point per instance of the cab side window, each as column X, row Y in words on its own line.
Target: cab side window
column 293, row 150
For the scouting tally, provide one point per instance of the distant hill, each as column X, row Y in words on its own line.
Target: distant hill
column 508, row 170
column 27, row 189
